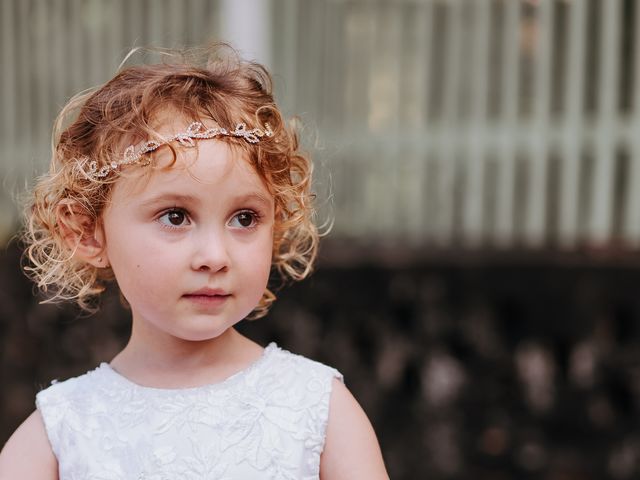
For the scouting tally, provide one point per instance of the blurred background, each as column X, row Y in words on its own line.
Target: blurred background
column 481, row 162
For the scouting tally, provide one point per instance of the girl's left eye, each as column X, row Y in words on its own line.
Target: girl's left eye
column 244, row 219
column 174, row 218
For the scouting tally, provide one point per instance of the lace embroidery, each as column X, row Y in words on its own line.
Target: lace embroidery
column 267, row 421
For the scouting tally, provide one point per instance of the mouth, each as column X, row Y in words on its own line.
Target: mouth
column 208, row 296
column 211, row 292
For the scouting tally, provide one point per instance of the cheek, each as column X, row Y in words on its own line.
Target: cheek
column 130, row 255
column 259, row 263
column 138, row 265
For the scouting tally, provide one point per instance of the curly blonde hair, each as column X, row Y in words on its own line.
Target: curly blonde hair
column 211, row 83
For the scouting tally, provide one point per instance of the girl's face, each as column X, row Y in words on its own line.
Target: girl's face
column 191, row 247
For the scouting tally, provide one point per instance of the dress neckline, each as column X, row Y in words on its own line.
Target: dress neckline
column 112, row 373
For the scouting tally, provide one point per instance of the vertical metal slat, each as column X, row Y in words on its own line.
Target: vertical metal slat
column 9, row 130
column 572, row 141
column 473, row 212
column 447, row 149
column 507, row 124
column 600, row 221
column 416, row 106
column 631, row 222
column 534, row 226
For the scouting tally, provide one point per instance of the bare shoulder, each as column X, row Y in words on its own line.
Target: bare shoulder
column 351, row 448
column 27, row 454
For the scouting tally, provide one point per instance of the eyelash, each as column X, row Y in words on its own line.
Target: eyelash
column 169, row 211
column 256, row 218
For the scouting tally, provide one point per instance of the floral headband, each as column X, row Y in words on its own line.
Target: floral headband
column 195, row 131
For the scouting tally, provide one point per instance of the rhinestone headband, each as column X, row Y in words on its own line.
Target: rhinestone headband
column 195, row 131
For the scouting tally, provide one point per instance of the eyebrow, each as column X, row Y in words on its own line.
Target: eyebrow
column 169, row 197
column 258, row 197
column 190, row 199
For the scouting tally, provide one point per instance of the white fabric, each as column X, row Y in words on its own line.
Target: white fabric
column 265, row 422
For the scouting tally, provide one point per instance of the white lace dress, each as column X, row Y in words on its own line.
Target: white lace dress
column 265, row 422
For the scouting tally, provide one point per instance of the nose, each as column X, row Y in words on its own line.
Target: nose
column 210, row 253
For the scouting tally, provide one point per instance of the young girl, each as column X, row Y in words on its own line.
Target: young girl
column 182, row 182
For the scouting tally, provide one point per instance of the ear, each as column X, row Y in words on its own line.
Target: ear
column 82, row 233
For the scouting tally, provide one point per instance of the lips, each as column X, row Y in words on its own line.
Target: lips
column 208, row 296
column 209, row 292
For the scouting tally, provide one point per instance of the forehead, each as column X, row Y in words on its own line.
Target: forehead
column 211, row 167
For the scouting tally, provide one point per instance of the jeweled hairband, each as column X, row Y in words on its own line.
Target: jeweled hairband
column 195, row 131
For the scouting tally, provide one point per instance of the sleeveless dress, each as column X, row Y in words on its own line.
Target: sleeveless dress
column 265, row 422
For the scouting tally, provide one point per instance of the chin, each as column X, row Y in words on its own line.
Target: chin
column 199, row 336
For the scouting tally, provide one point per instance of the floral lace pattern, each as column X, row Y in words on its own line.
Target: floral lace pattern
column 265, row 422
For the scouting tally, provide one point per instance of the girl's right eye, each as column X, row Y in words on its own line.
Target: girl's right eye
column 174, row 218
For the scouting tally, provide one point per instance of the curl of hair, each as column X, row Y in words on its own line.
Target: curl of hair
column 211, row 83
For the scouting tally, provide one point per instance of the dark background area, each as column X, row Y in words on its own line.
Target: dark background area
column 469, row 367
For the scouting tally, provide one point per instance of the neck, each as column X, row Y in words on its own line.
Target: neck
column 154, row 356
column 165, row 351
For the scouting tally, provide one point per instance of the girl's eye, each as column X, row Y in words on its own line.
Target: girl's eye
column 174, row 218
column 244, row 220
